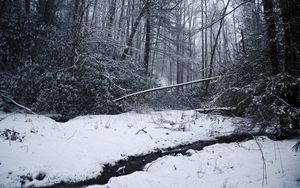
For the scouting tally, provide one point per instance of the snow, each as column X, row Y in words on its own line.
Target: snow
column 221, row 165
column 78, row 149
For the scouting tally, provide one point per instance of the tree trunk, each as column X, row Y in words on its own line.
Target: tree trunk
column 178, row 48
column 155, row 47
column 46, row 10
column 235, row 33
column 147, row 42
column 215, row 45
column 2, row 7
column 205, row 40
column 216, row 40
column 133, row 31
column 166, row 87
column 243, row 42
column 290, row 13
column 27, row 6
column 120, row 20
column 111, row 17
column 94, row 12
column 271, row 35
column 202, row 38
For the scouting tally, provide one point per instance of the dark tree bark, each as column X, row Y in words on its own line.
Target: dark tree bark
column 178, row 48
column 41, row 8
column 27, row 6
column 78, row 14
column 46, row 11
column 271, row 35
column 290, row 13
column 49, row 14
column 155, row 47
column 202, row 38
column 147, row 41
column 133, row 31
column 243, row 42
column 205, row 41
column 2, row 7
column 111, row 17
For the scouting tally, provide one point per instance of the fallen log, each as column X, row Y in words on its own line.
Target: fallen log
column 221, row 110
column 166, row 87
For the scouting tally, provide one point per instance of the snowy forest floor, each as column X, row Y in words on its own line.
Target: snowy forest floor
column 37, row 151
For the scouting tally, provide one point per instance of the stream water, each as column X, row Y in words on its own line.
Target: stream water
column 137, row 163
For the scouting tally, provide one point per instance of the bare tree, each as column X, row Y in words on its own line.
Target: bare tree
column 215, row 45
column 134, row 29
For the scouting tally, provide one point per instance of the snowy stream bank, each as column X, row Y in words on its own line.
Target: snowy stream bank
column 137, row 163
column 36, row 151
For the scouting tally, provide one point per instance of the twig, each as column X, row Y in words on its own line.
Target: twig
column 219, row 19
column 152, row 164
column 160, row 126
column 141, row 130
column 265, row 179
column 281, row 164
column 72, row 135
column 1, row 119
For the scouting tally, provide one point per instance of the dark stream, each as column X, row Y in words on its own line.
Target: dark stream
column 137, row 163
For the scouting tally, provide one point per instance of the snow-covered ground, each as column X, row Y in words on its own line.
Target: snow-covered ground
column 222, row 166
column 35, row 146
column 77, row 150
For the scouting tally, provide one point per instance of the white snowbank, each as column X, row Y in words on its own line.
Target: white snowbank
column 77, row 150
column 236, row 165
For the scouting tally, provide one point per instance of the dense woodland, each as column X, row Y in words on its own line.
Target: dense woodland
column 74, row 57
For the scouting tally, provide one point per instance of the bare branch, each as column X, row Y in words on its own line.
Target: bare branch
column 17, row 104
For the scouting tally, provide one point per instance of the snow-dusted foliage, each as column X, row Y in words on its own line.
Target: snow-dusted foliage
column 269, row 100
column 63, row 68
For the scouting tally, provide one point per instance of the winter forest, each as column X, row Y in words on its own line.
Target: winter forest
column 150, row 93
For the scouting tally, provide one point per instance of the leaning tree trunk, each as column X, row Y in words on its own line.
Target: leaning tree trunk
column 215, row 46
column 133, row 31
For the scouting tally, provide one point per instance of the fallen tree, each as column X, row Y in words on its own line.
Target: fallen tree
column 166, row 87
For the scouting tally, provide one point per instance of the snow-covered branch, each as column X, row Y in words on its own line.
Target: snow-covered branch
column 166, row 87
column 15, row 103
